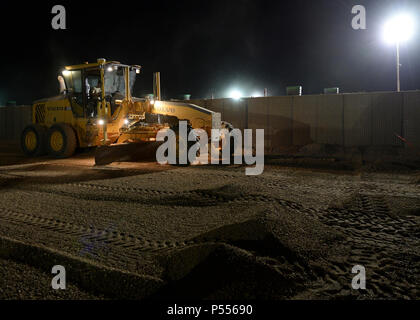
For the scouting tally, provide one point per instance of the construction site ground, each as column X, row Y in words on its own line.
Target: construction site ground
column 146, row 231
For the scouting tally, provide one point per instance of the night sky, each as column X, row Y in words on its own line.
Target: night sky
column 202, row 46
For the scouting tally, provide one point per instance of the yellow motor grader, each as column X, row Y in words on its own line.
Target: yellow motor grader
column 95, row 108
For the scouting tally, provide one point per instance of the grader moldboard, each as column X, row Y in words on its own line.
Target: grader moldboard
column 95, row 108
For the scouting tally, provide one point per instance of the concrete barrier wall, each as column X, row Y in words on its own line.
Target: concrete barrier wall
column 386, row 118
column 411, row 117
column 235, row 112
column 359, row 119
column 351, row 120
column 330, row 120
column 258, row 113
column 280, row 123
column 305, row 119
column 13, row 120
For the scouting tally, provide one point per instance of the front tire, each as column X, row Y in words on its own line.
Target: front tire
column 180, row 141
column 61, row 141
column 33, row 140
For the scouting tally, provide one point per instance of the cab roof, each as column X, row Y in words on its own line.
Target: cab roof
column 100, row 62
column 87, row 65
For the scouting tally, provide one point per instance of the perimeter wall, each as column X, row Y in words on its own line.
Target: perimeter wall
column 13, row 120
column 350, row 120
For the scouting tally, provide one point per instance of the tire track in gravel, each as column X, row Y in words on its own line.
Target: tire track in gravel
column 368, row 226
column 370, row 213
column 134, row 244
column 207, row 194
column 190, row 198
column 385, row 245
column 107, row 255
column 368, row 221
column 112, row 237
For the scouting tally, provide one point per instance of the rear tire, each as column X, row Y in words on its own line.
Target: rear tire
column 179, row 142
column 33, row 140
column 61, row 141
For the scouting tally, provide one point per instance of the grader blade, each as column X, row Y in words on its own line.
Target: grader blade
column 127, row 152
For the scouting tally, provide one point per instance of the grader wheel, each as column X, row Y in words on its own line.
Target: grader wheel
column 61, row 141
column 182, row 144
column 33, row 140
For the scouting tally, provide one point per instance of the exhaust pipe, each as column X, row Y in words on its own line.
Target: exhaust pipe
column 156, row 86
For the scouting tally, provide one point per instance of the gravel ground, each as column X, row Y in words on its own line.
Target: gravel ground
column 212, row 232
column 19, row 281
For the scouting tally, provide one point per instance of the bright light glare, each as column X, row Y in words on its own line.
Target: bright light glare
column 110, row 69
column 235, row 94
column 66, row 73
column 126, row 121
column 101, row 122
column 399, row 29
column 256, row 95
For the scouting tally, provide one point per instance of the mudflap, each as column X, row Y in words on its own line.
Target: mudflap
column 127, row 152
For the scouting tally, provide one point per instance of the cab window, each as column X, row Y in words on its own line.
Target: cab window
column 74, row 83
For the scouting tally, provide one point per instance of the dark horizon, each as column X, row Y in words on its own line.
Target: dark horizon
column 202, row 48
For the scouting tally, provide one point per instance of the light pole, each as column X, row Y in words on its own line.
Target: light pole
column 398, row 67
column 397, row 30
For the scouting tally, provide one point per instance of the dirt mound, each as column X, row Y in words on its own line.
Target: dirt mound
column 278, row 232
column 271, row 256
column 220, row 271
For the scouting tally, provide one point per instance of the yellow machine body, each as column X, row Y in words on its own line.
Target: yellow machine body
column 104, row 115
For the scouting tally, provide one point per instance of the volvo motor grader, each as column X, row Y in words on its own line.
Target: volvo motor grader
column 95, row 108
